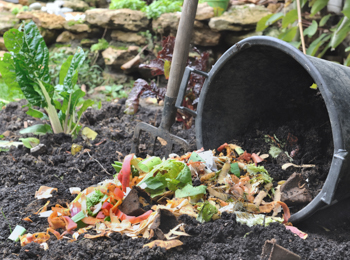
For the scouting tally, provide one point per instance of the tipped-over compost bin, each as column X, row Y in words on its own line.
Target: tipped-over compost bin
column 263, row 81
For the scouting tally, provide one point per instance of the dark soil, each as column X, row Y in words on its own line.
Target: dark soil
column 21, row 174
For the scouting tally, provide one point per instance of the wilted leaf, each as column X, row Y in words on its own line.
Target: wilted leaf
column 40, row 129
column 76, row 148
column 164, row 244
column 167, row 65
column 30, row 142
column 88, row 133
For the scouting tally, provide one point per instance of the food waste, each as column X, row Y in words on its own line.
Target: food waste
column 201, row 184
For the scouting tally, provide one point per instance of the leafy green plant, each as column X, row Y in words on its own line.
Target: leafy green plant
column 90, row 75
column 130, row 4
column 100, row 46
column 321, row 34
column 115, row 91
column 26, row 67
column 154, row 10
column 17, row 10
column 159, row 7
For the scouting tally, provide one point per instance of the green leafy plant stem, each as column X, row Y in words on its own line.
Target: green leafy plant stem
column 51, row 110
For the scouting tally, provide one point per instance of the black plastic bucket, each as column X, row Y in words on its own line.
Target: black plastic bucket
column 265, row 76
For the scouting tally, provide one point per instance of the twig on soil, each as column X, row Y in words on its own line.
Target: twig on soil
column 99, row 163
column 6, row 220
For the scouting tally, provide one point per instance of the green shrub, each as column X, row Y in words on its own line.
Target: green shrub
column 157, row 8
column 130, row 4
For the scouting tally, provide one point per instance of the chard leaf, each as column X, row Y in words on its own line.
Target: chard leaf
column 64, row 69
column 37, row 114
column 206, row 212
column 69, row 70
column 39, row 129
column 31, row 64
column 87, row 103
column 189, row 191
column 8, row 72
column 13, row 40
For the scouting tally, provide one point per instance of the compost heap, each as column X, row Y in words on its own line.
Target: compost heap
column 146, row 192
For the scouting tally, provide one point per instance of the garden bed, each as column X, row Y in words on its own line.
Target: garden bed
column 21, row 174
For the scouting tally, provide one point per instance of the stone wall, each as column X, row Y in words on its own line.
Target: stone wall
column 123, row 27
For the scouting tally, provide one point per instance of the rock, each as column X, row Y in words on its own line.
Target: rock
column 35, row 6
column 7, row 22
column 88, row 42
column 239, row 18
column 2, row 44
column 49, row 35
column 124, row 19
column 6, row 6
column 166, row 24
column 204, row 36
column 23, row 2
column 76, row 5
column 26, row 15
column 116, row 57
column 274, row 7
column 120, row 78
column 234, row 37
column 204, row 12
column 76, row 27
column 49, row 21
column 129, row 37
column 39, row 149
column 65, row 37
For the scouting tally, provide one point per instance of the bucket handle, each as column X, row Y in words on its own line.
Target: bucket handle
column 183, row 87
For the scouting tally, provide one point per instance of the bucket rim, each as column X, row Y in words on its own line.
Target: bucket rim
column 325, row 196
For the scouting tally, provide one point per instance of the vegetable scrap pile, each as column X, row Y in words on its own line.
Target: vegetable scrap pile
column 147, row 196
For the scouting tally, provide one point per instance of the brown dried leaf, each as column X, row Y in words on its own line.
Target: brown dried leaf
column 164, row 244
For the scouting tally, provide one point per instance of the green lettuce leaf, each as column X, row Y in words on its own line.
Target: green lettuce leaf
column 206, row 212
column 190, row 191
column 252, row 169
